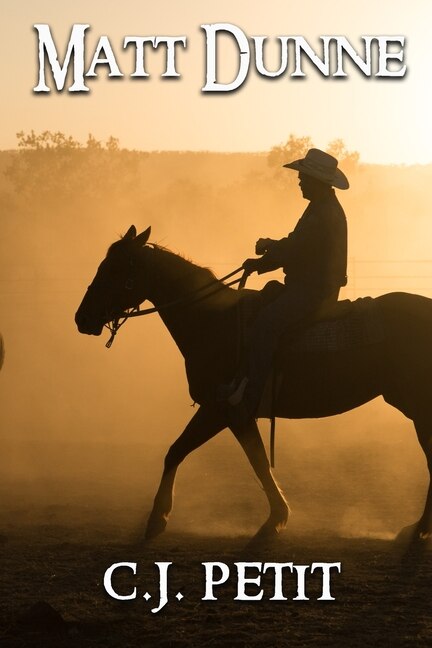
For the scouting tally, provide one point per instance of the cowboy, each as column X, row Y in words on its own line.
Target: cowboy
column 314, row 260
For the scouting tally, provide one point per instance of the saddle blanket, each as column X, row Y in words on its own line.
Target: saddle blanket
column 347, row 325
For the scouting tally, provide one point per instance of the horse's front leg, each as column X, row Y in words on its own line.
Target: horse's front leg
column 204, row 425
column 250, row 440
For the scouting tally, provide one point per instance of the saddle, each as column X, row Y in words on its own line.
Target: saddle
column 336, row 326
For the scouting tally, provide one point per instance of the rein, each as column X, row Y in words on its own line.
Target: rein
column 114, row 325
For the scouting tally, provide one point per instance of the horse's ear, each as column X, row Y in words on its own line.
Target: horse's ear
column 142, row 238
column 131, row 233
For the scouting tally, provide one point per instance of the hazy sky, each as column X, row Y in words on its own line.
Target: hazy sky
column 388, row 121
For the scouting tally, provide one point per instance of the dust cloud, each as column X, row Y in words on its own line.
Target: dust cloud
column 84, row 430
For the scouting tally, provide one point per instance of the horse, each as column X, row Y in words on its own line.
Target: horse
column 202, row 315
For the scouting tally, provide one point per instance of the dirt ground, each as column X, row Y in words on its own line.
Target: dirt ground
column 381, row 597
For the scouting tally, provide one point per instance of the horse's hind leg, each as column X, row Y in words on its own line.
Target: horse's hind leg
column 424, row 434
column 206, row 423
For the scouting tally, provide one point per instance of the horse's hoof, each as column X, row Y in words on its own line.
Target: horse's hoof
column 406, row 535
column 156, row 525
column 264, row 537
column 414, row 539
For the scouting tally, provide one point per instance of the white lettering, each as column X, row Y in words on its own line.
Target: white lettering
column 326, row 567
column 278, row 567
column 139, row 55
column 104, row 46
column 259, row 56
column 384, row 56
column 343, row 45
column 302, row 46
column 301, row 582
column 75, row 46
column 242, row 581
column 210, row 581
column 244, row 57
column 171, row 42
column 163, row 585
column 108, row 578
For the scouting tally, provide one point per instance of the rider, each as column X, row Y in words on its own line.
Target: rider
column 314, row 260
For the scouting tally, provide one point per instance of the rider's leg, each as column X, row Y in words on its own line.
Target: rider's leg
column 290, row 311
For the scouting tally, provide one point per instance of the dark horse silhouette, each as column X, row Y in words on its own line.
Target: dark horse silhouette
column 202, row 317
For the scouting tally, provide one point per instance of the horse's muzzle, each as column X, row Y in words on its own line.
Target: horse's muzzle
column 85, row 325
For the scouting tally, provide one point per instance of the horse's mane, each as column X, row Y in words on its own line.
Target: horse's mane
column 198, row 275
column 203, row 272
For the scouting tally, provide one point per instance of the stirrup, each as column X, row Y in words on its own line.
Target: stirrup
column 236, row 396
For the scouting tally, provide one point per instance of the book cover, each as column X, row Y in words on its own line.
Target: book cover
column 180, row 117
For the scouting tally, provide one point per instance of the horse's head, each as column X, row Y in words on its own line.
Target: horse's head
column 114, row 288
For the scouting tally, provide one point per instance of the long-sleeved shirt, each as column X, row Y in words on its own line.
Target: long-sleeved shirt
column 315, row 253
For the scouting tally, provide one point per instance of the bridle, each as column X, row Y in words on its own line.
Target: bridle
column 118, row 321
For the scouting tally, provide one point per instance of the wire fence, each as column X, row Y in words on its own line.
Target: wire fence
column 377, row 276
column 365, row 277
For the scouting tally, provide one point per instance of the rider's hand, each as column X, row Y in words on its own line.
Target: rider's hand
column 250, row 265
column 263, row 245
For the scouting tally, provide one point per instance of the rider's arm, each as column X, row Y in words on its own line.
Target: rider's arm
column 301, row 246
column 275, row 256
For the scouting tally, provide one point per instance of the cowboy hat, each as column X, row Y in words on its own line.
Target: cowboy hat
column 322, row 166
